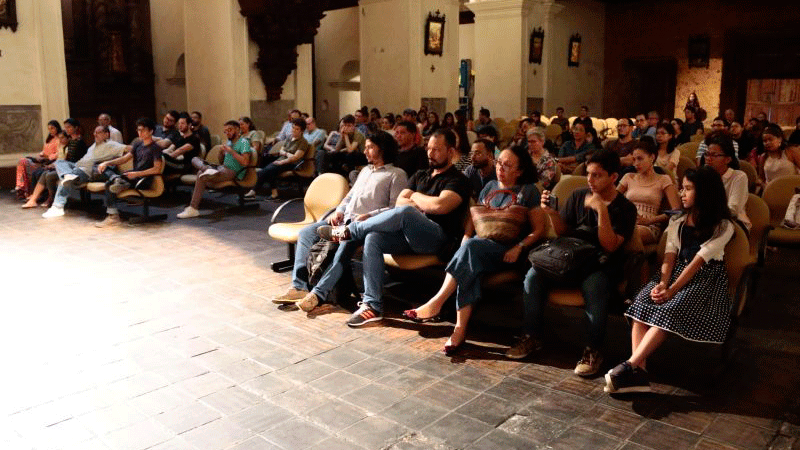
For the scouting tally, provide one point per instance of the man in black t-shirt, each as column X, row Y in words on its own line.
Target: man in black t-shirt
column 146, row 155
column 428, row 218
column 166, row 134
column 179, row 159
column 410, row 157
column 604, row 217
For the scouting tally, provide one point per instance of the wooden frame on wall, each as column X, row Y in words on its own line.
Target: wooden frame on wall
column 574, row 51
column 8, row 14
column 536, row 46
column 434, row 34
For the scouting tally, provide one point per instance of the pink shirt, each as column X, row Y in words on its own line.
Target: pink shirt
column 647, row 196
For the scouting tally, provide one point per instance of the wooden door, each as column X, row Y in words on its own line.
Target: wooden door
column 779, row 99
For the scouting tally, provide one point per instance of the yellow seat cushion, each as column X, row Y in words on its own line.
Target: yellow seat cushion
column 411, row 261
column 286, row 232
column 780, row 235
column 500, row 278
column 188, row 179
column 96, row 186
column 566, row 297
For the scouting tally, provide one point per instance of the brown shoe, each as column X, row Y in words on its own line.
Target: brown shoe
column 290, row 297
column 590, row 363
column 110, row 221
column 309, row 302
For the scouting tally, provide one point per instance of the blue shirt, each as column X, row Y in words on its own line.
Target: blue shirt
column 568, row 149
column 317, row 135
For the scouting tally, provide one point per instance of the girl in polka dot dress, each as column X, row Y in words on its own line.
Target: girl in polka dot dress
column 689, row 297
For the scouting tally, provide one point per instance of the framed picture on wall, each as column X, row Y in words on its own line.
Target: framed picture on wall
column 8, row 14
column 699, row 51
column 536, row 46
column 574, row 51
column 434, row 34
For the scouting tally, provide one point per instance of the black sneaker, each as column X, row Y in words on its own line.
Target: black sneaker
column 364, row 315
column 625, row 378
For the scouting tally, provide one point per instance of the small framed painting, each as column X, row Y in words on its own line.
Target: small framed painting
column 574, row 51
column 8, row 14
column 536, row 46
column 434, row 34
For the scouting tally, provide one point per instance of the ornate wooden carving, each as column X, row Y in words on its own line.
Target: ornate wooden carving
column 277, row 27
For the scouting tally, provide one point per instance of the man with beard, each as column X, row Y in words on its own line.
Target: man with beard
column 411, row 157
column 623, row 146
column 428, row 218
column 201, row 130
column 179, row 159
column 482, row 169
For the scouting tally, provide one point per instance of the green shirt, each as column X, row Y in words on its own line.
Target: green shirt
column 241, row 147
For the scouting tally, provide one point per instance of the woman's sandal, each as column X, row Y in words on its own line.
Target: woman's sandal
column 411, row 314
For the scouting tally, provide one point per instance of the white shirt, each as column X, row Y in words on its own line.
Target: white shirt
column 736, row 182
column 116, row 136
column 713, row 248
column 376, row 190
column 106, row 151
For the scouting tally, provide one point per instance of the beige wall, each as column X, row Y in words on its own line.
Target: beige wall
column 336, row 43
column 33, row 73
column 167, row 36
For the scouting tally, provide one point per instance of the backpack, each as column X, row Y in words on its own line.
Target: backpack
column 320, row 257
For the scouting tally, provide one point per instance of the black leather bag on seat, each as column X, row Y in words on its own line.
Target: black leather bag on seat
column 566, row 258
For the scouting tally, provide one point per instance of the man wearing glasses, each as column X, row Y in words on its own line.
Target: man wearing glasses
column 624, row 145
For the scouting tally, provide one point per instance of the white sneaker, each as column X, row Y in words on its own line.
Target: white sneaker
column 250, row 194
column 209, row 172
column 188, row 213
column 68, row 180
column 54, row 211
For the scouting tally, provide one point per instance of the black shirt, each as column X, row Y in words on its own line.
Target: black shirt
column 172, row 134
column 205, row 136
column 145, row 156
column 582, row 221
column 75, row 150
column 192, row 140
column 450, row 180
column 477, row 181
column 412, row 160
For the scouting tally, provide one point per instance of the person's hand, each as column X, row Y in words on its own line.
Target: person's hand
column 512, row 254
column 226, row 149
column 363, row 217
column 335, row 218
column 544, row 201
column 593, row 202
column 660, row 293
column 102, row 167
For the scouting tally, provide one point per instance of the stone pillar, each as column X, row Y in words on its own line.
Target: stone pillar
column 543, row 15
column 501, row 56
column 395, row 71
column 217, row 61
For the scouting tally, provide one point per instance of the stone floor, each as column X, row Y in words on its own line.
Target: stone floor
column 162, row 336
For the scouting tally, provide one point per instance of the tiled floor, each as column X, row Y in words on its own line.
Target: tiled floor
column 162, row 336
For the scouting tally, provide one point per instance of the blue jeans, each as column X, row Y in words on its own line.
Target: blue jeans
column 400, row 230
column 268, row 174
column 305, row 239
column 64, row 168
column 596, row 291
column 474, row 258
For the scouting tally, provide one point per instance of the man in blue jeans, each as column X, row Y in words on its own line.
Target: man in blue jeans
column 376, row 190
column 428, row 218
column 602, row 216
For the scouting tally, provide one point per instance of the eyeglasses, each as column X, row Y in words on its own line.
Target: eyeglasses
column 714, row 155
column 505, row 166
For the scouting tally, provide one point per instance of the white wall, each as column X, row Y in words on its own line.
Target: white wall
column 466, row 41
column 385, row 46
column 167, row 36
column 443, row 81
column 336, row 42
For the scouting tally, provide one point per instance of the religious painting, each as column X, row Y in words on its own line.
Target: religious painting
column 699, row 51
column 434, row 34
column 536, row 46
column 574, row 51
column 8, row 14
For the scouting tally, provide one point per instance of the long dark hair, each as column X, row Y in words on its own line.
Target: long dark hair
column 710, row 201
column 725, row 143
column 666, row 126
column 528, row 174
column 57, row 126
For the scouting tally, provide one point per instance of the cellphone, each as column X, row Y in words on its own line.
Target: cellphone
column 552, row 201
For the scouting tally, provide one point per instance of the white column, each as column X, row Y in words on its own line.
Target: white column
column 548, row 10
column 52, row 62
column 501, row 45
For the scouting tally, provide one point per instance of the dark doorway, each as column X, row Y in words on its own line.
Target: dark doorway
column 651, row 86
column 109, row 62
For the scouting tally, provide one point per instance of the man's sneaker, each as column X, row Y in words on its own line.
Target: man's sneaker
column 524, row 347
column 250, row 194
column 589, row 363
column 329, row 233
column 110, row 221
column 209, row 172
column 625, row 378
column 309, row 302
column 54, row 211
column 364, row 315
column 188, row 213
column 291, row 296
column 118, row 186
column 69, row 180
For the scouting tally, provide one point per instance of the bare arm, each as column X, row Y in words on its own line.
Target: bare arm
column 444, row 203
column 609, row 240
column 405, row 198
column 155, row 170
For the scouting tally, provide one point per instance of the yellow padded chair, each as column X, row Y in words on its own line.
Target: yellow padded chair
column 215, row 140
column 752, row 175
column 683, row 164
column 472, row 137
column 697, row 138
column 100, row 186
column 689, row 150
column 499, row 122
column 758, row 213
column 553, row 132
column 155, row 190
column 212, row 157
column 303, row 172
column 777, row 194
column 324, row 194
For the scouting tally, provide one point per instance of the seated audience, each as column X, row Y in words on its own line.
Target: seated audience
column 75, row 174
column 166, row 134
column 477, row 255
column 689, row 296
column 560, row 120
column 187, row 147
column 794, row 138
column 349, row 152
column 623, row 145
column 721, row 157
column 730, row 116
column 652, row 123
column 546, row 165
column 641, row 126
column 410, row 157
column 743, row 139
column 691, row 125
column 583, row 118
column 431, row 125
column 234, row 157
column 460, row 129
column 375, row 116
column 647, row 190
column 362, row 119
column 290, row 156
column 520, row 137
column 388, row 123
column 680, row 136
column 146, row 156
column 314, row 135
column 668, row 156
column 248, row 130
column 490, row 133
column 485, row 120
column 482, row 169
column 449, row 120
column 286, row 130
column 719, row 126
column 75, row 148
column 409, row 115
column 376, row 190
column 104, row 120
column 575, row 151
column 27, row 165
column 604, row 217
column 201, row 130
column 46, row 176
column 321, row 157
column 536, row 120
column 428, row 218
column 778, row 159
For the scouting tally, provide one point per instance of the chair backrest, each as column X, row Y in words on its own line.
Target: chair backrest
column 213, row 155
column 514, row 123
column 750, row 171
column 471, row 137
column 544, row 120
column 689, row 150
column 567, row 185
column 758, row 213
column 257, row 135
column 683, row 164
column 307, row 169
column 507, row 133
column 129, row 166
column 777, row 194
column 203, row 150
column 499, row 122
column 580, row 169
column 553, row 131
column 324, row 193
column 599, row 125
column 696, row 138
column 215, row 140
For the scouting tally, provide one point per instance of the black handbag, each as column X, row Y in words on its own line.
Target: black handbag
column 320, row 257
column 566, row 258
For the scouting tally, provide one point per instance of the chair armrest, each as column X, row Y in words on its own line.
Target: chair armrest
column 278, row 211
column 762, row 245
column 138, row 186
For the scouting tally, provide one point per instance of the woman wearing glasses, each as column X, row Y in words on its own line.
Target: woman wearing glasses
column 476, row 256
